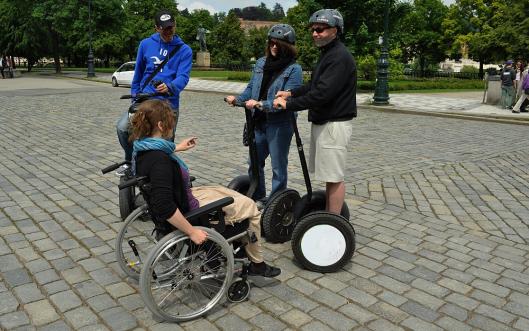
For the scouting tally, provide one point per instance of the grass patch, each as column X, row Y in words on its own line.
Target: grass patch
column 437, row 85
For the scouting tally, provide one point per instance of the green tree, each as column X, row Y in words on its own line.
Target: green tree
column 469, row 23
column 20, row 34
column 256, row 42
column 422, row 33
column 227, row 42
column 278, row 13
column 139, row 21
column 298, row 18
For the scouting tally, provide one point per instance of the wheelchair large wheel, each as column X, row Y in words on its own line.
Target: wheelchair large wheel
column 134, row 241
column 126, row 199
column 181, row 281
column 277, row 219
column 323, row 242
column 240, row 184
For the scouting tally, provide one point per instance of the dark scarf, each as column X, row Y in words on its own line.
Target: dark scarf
column 271, row 69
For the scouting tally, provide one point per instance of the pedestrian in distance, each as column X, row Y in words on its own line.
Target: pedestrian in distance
column 2, row 66
column 508, row 76
column 330, row 97
column 169, row 81
column 523, row 99
column 276, row 71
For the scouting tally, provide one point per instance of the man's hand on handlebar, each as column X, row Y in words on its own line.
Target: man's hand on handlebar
column 283, row 94
column 186, row 144
column 280, row 103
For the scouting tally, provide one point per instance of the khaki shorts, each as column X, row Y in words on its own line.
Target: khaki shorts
column 328, row 150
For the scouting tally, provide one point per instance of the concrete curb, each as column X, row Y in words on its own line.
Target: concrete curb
column 472, row 117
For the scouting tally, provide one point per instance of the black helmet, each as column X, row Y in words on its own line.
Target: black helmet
column 331, row 17
column 282, row 32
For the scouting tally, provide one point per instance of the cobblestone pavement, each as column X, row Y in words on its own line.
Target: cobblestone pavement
column 440, row 208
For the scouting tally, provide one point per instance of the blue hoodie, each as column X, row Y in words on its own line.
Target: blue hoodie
column 175, row 74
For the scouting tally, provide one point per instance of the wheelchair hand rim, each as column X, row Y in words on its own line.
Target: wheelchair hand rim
column 323, row 245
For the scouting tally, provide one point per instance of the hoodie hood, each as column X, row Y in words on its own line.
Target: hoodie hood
column 176, row 39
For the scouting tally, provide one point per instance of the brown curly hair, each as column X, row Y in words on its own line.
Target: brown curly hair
column 149, row 113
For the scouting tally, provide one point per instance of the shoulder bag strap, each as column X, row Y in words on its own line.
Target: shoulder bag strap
column 159, row 67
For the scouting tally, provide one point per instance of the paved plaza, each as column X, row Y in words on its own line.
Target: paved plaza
column 440, row 207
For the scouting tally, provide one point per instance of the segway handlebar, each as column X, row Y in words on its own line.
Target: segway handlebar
column 140, row 96
column 113, row 167
column 131, row 182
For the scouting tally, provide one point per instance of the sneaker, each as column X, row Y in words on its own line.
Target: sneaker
column 264, row 270
column 515, row 111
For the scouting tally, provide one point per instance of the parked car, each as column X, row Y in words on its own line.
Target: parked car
column 124, row 74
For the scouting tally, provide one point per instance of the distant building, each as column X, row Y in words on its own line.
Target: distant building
column 248, row 25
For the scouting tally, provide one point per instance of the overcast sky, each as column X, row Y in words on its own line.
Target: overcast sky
column 215, row 6
column 224, row 5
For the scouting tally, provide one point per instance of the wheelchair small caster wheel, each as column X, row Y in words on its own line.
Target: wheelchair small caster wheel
column 239, row 291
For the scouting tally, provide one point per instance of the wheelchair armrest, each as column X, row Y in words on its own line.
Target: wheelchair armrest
column 210, row 207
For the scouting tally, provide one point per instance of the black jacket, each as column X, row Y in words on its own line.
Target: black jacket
column 330, row 95
column 167, row 191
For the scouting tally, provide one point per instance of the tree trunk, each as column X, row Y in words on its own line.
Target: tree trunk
column 56, row 56
column 481, row 67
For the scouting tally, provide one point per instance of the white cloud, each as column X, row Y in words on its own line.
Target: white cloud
column 225, row 5
column 192, row 5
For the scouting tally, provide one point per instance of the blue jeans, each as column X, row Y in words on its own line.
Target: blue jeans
column 274, row 140
column 122, row 128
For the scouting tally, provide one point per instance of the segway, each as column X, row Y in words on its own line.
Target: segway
column 242, row 183
column 321, row 241
column 128, row 199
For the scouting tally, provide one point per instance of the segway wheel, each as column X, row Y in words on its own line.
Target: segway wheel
column 240, row 184
column 239, row 291
column 126, row 199
column 318, row 202
column 278, row 216
column 323, row 242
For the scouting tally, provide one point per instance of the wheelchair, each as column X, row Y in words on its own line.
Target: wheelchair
column 178, row 279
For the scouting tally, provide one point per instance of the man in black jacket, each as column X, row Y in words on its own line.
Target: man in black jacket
column 330, row 97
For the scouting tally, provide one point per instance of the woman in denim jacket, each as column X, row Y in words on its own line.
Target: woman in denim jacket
column 276, row 71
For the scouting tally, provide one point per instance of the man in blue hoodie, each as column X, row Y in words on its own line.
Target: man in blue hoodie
column 170, row 80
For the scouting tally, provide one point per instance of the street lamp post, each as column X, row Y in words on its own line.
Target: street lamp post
column 91, row 72
column 381, row 96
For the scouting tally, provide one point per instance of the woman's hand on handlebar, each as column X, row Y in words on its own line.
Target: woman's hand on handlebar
column 230, row 99
column 250, row 104
column 280, row 103
column 198, row 236
column 162, row 88
column 186, row 144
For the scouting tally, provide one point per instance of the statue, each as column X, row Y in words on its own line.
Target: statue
column 201, row 37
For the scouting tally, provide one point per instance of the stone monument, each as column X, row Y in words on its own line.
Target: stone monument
column 203, row 57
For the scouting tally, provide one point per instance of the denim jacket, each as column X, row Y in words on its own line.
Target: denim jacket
column 290, row 78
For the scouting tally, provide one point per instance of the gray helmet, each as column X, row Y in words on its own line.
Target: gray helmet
column 283, row 32
column 331, row 17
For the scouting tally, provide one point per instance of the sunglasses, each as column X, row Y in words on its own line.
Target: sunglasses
column 272, row 43
column 319, row 29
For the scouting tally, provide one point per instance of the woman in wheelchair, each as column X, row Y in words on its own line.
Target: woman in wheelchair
column 171, row 193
